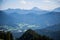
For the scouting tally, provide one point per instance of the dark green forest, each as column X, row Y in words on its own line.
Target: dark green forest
column 28, row 35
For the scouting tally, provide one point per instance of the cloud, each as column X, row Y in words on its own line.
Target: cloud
column 46, row 1
column 23, row 2
column 26, row 26
column 32, row 26
column 25, row 30
column 19, row 30
column 28, row 4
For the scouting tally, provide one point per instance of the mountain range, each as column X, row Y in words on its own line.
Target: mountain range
column 48, row 22
column 14, row 17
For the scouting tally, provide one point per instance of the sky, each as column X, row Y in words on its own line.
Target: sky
column 29, row 4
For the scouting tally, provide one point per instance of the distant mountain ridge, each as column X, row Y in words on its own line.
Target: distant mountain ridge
column 35, row 16
column 57, row 9
column 36, row 9
column 29, row 17
column 22, row 11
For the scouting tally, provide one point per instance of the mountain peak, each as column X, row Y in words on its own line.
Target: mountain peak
column 30, row 31
column 32, row 35
column 29, row 34
column 35, row 8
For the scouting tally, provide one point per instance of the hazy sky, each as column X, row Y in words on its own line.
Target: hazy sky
column 29, row 4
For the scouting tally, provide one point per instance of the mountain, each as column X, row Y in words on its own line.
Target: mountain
column 57, row 9
column 9, row 11
column 53, row 28
column 49, row 31
column 17, row 34
column 41, row 20
column 5, row 19
column 52, row 31
column 12, row 18
column 2, row 17
column 22, row 11
column 32, row 35
column 36, row 9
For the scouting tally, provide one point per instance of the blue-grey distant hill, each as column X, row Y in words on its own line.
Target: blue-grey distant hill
column 51, row 31
column 34, row 16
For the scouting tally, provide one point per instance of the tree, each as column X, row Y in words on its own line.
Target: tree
column 9, row 36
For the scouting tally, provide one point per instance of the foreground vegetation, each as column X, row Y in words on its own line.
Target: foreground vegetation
column 28, row 35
